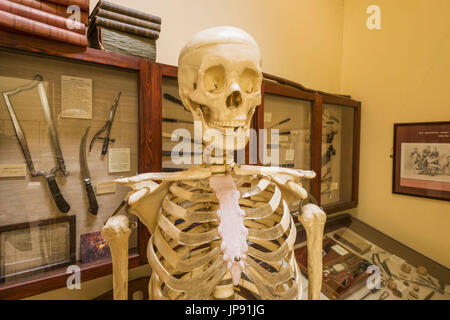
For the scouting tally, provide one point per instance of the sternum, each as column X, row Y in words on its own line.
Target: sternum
column 231, row 225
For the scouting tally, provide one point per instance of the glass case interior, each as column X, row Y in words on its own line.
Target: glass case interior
column 177, row 130
column 287, row 135
column 338, row 124
column 52, row 103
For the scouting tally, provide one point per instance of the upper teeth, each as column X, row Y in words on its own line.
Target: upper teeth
column 229, row 123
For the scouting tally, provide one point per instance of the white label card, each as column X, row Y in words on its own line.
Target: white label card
column 76, row 97
column 400, row 286
column 119, row 160
column 104, row 187
column 339, row 250
column 338, row 267
column 267, row 116
column 13, row 170
column 290, row 154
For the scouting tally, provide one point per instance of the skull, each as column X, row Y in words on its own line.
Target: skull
column 219, row 78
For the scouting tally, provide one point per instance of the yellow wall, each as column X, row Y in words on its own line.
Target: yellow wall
column 299, row 39
column 401, row 73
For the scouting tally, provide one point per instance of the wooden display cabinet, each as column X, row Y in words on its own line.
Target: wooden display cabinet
column 311, row 146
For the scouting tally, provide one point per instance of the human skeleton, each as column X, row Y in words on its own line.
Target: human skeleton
column 220, row 231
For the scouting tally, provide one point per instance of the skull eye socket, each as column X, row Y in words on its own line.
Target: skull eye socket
column 249, row 80
column 214, row 80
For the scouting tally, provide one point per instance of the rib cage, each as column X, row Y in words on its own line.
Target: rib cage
column 184, row 251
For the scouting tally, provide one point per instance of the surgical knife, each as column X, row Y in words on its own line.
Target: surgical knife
column 86, row 176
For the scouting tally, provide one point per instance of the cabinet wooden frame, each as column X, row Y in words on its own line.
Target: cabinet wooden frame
column 149, row 147
column 317, row 99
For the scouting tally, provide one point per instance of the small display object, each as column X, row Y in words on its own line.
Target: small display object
column 32, row 247
column 422, row 160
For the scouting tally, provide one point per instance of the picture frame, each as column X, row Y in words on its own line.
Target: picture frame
column 94, row 247
column 421, row 160
column 33, row 247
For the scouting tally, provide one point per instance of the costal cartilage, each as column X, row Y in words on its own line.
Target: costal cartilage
column 231, row 226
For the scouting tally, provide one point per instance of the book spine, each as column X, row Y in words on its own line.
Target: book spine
column 42, row 16
column 128, row 12
column 129, row 20
column 55, row 9
column 94, row 38
column 17, row 23
column 82, row 4
column 103, row 22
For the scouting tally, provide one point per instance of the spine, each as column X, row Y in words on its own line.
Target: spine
column 127, row 11
column 42, row 16
column 17, row 23
column 129, row 20
column 147, row 33
column 55, row 9
column 82, row 4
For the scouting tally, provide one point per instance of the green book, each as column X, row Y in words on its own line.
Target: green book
column 120, row 42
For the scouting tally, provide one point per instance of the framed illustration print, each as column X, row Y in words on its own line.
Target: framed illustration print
column 32, row 247
column 422, row 159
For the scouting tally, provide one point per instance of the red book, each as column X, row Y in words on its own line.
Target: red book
column 16, row 23
column 83, row 4
column 42, row 16
column 55, row 9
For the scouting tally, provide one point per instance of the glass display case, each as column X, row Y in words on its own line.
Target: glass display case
column 337, row 154
column 70, row 123
column 292, row 118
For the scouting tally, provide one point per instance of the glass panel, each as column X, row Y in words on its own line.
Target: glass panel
column 292, row 117
column 337, row 154
column 175, row 118
column 35, row 233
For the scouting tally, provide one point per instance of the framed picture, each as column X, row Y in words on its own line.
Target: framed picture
column 33, row 247
column 94, row 247
column 422, row 159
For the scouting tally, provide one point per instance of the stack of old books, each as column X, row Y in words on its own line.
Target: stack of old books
column 59, row 20
column 123, row 30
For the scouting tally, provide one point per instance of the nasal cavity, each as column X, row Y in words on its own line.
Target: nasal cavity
column 234, row 100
